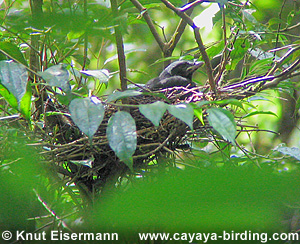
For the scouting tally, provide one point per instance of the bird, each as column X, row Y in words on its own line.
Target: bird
column 178, row 73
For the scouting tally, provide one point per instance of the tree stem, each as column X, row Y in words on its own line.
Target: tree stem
column 120, row 46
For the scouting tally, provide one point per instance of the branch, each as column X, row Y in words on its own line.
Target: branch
column 178, row 33
column 244, row 89
column 35, row 57
column 225, row 57
column 145, row 14
column 37, row 16
column 120, row 46
column 86, row 36
column 156, row 149
column 199, row 41
column 279, row 25
column 49, row 210
column 192, row 5
column 290, row 28
column 279, row 62
column 287, row 73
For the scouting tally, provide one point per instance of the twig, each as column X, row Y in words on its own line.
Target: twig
column 224, row 58
column 156, row 149
column 70, row 51
column 34, row 59
column 191, row 5
column 15, row 116
column 279, row 26
column 290, row 27
column 224, row 24
column 239, row 5
column 45, row 205
column 86, row 37
column 22, row 39
column 275, row 79
column 279, row 61
column 145, row 14
column 139, row 86
column 177, row 34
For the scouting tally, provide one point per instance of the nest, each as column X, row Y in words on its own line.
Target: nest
column 67, row 144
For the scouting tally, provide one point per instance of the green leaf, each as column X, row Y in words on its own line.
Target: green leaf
column 199, row 114
column 291, row 151
column 260, row 66
column 258, row 98
column 9, row 97
column 214, row 51
column 259, row 112
column 234, row 102
column 248, row 14
column 14, row 77
column 87, row 114
column 297, row 105
column 223, row 122
column 122, row 137
column 25, row 104
column 63, row 99
column 102, row 75
column 58, row 76
column 202, row 103
column 240, row 49
column 276, row 21
column 183, row 112
column 153, row 111
column 13, row 51
column 119, row 95
column 75, row 34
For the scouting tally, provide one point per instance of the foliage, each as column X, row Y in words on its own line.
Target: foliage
column 74, row 131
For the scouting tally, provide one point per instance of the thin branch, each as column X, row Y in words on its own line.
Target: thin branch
column 120, row 46
column 17, row 61
column 206, row 59
column 224, row 25
column 177, row 34
column 145, row 14
column 20, row 38
column 279, row 26
column 61, row 59
column 245, row 89
column 86, row 37
column 156, row 149
column 191, row 5
column 277, row 80
column 279, row 62
column 225, row 58
column 290, row 27
column 49, row 210
column 199, row 41
column 36, row 7
column 239, row 5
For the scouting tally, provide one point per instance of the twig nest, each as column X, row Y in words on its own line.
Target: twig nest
column 69, row 146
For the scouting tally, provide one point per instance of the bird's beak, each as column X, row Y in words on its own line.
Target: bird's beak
column 196, row 66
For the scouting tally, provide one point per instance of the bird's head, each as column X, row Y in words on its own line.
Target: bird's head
column 181, row 68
